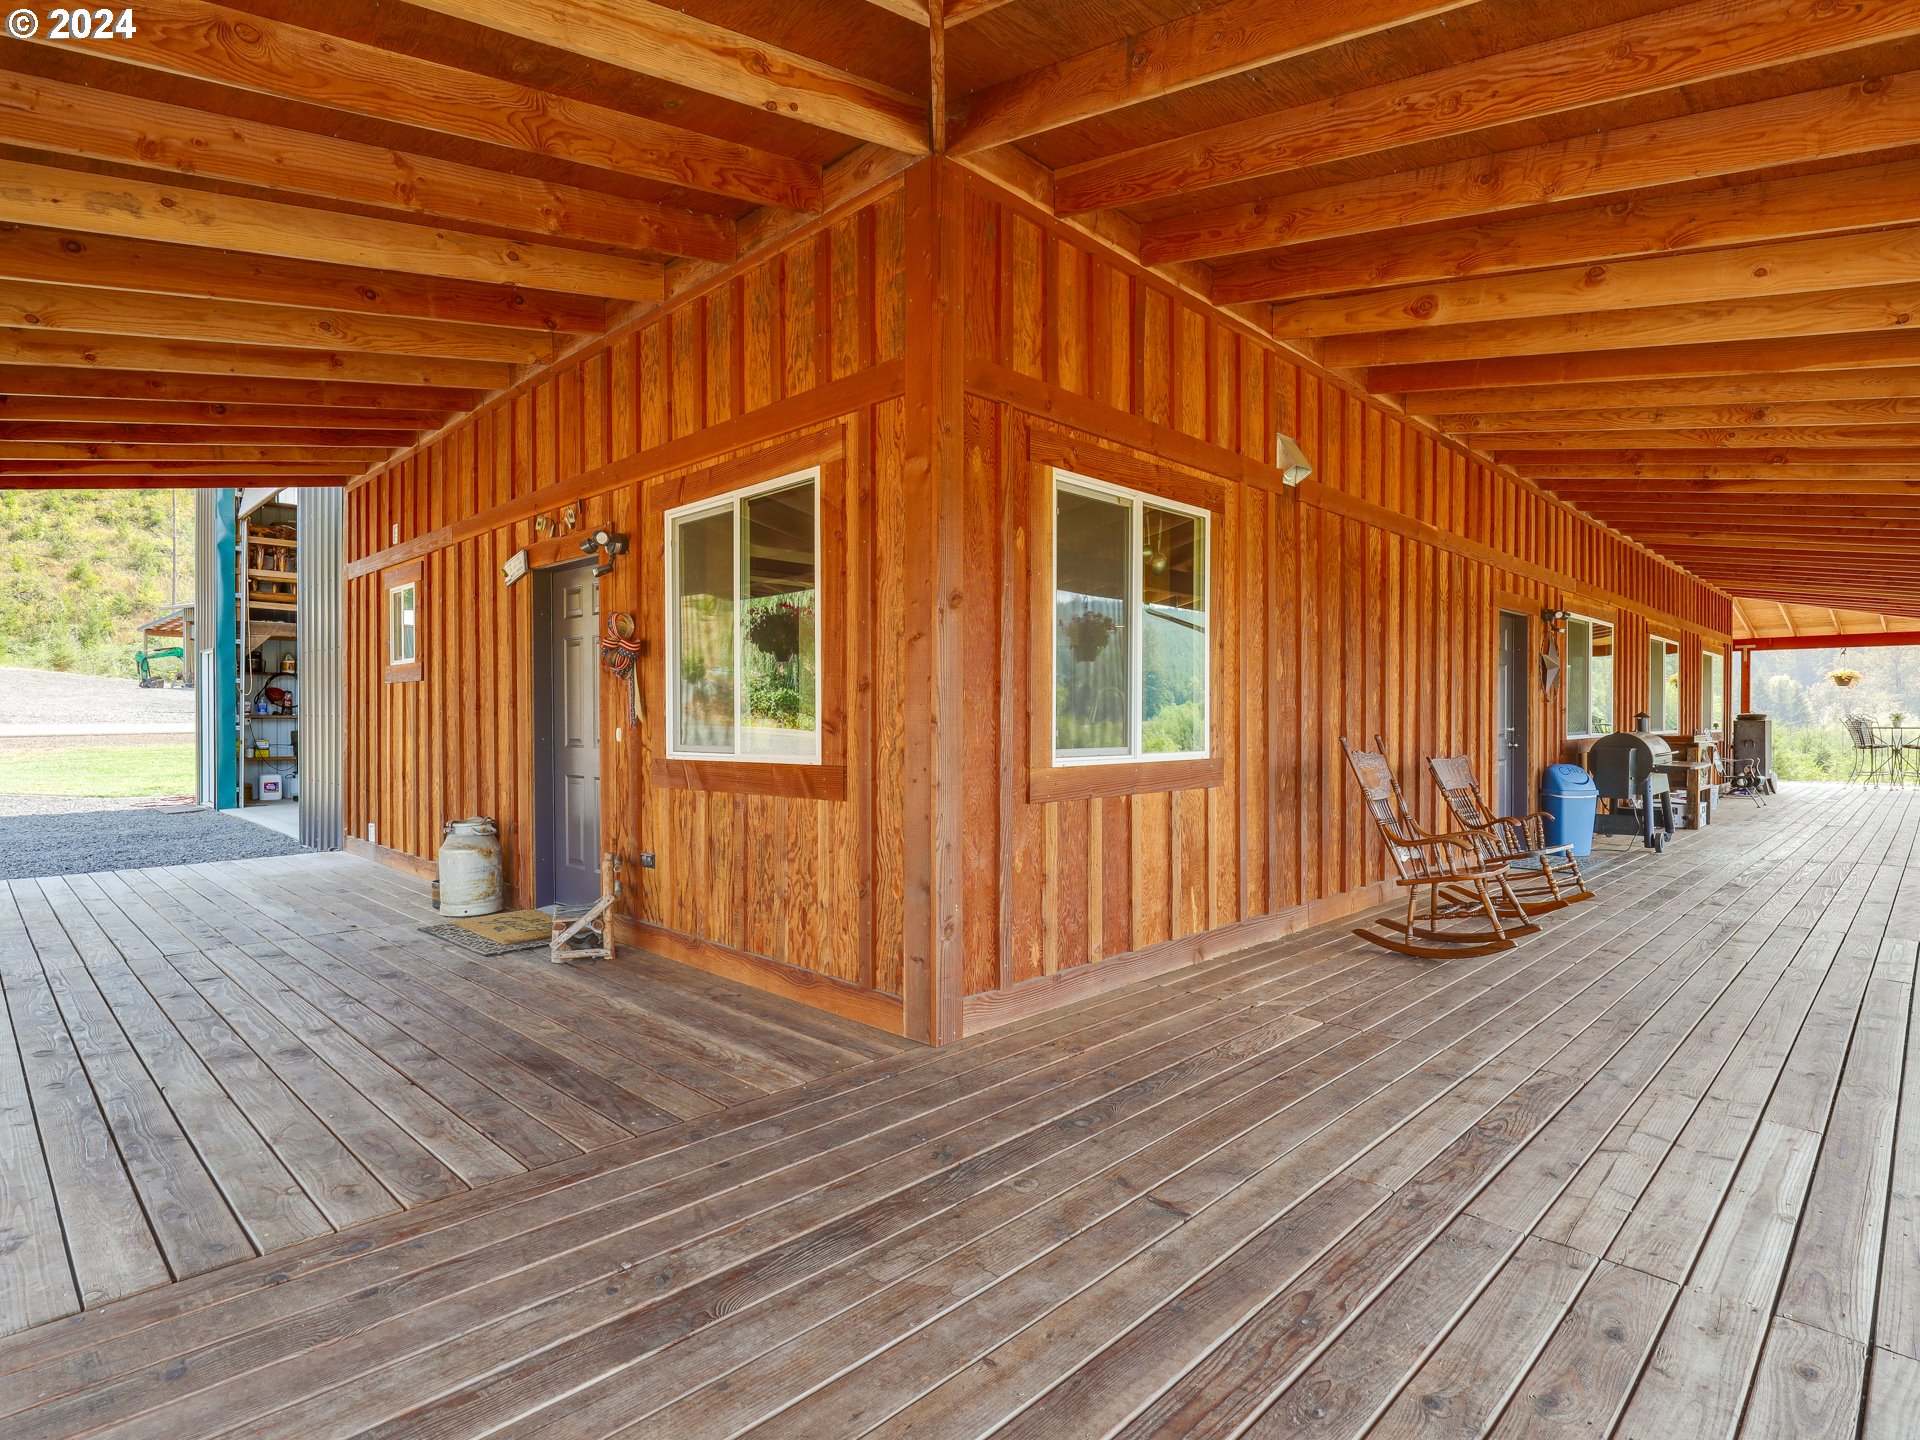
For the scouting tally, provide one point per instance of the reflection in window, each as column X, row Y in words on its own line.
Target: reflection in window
column 1130, row 644
column 1663, row 683
column 403, row 626
column 745, row 632
column 1589, row 676
column 1713, row 690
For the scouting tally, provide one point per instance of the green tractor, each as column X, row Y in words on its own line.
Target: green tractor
column 143, row 659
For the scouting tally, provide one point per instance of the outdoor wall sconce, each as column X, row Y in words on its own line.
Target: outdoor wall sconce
column 1291, row 461
column 606, row 544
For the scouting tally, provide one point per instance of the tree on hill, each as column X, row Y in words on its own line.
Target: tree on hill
column 81, row 569
column 1810, row 740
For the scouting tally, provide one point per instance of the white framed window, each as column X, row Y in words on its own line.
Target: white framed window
column 403, row 624
column 743, row 624
column 1589, row 676
column 1132, row 639
column 1663, row 683
column 1713, row 689
column 402, row 587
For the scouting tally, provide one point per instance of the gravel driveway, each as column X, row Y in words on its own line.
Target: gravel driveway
column 79, row 703
column 69, row 842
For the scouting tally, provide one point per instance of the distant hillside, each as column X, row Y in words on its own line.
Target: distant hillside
column 79, row 569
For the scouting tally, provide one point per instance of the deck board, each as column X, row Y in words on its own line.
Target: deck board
column 207, row 1063
column 1649, row 1175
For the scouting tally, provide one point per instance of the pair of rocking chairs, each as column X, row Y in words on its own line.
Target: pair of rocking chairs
column 1484, row 883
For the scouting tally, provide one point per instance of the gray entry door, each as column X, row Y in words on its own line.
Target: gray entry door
column 567, row 699
column 1513, row 780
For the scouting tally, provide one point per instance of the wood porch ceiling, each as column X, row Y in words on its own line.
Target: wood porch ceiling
column 274, row 240
column 1660, row 258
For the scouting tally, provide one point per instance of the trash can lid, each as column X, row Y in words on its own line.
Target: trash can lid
column 1568, row 780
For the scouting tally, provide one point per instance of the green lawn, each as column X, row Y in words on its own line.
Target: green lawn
column 115, row 771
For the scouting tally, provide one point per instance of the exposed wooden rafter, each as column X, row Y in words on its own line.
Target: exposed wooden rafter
column 1845, row 120
column 97, row 205
column 250, row 52
column 1614, row 62
column 670, row 45
column 72, row 120
column 1213, row 43
column 1788, row 267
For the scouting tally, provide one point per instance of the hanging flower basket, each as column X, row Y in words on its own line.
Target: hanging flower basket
column 1844, row 678
column 775, row 631
column 1087, row 634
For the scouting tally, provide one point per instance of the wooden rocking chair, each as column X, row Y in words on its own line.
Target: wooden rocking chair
column 1544, row 877
column 1460, row 882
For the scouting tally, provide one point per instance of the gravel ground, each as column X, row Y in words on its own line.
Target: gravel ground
column 55, row 698
column 74, row 842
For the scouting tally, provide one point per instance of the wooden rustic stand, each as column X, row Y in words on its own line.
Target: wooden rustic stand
column 595, row 921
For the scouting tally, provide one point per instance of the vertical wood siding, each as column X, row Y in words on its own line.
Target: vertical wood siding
column 809, row 884
column 1365, row 602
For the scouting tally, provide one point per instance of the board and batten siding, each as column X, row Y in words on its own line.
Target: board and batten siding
column 947, row 341
column 1362, row 603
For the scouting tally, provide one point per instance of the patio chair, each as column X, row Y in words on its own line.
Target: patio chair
column 1460, row 883
column 1872, row 757
column 1544, row 877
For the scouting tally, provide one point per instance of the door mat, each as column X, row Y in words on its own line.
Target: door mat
column 496, row 934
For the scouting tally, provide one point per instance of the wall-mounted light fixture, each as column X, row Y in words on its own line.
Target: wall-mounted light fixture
column 606, row 544
column 1290, row 460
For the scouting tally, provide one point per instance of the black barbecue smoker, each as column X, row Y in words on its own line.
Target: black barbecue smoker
column 1626, row 770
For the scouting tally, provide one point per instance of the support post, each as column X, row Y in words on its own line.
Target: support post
column 932, row 967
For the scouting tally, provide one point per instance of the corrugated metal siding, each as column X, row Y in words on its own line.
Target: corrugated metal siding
column 323, row 666
column 217, row 702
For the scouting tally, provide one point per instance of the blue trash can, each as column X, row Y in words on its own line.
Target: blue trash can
column 1571, row 801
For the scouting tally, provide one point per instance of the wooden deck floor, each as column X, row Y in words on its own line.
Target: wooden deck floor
column 1657, row 1175
column 204, row 1064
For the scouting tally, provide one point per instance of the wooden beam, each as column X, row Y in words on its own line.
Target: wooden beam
column 1791, row 208
column 1733, row 442
column 1648, row 53
column 1850, row 639
column 1780, row 317
column 669, row 45
column 914, row 10
column 186, row 416
column 1856, row 119
column 110, row 312
column 144, row 384
column 1688, row 417
column 1818, row 478
column 162, row 474
column 129, row 130
column 252, row 52
column 1679, row 542
column 117, row 352
column 95, row 433
column 1819, row 385
column 61, row 257
column 959, row 12
column 345, row 455
column 1901, row 455
column 1868, row 350
column 138, row 210
column 1687, row 479
column 120, row 482
column 1228, row 38
column 1788, row 267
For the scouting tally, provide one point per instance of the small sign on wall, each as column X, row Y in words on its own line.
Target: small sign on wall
column 515, row 567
